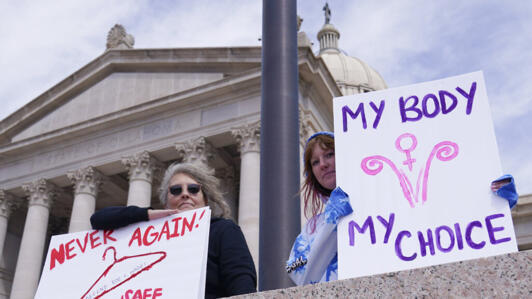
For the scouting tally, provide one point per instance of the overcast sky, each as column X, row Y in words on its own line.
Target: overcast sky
column 410, row 41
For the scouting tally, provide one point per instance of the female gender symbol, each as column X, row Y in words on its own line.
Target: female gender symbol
column 409, row 161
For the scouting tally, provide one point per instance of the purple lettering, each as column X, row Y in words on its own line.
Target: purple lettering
column 379, row 111
column 423, row 244
column 454, row 101
column 449, row 231
column 459, row 240
column 360, row 110
column 367, row 223
column 413, row 108
column 492, row 230
column 398, row 250
column 388, row 225
column 469, row 96
column 434, row 99
column 469, row 239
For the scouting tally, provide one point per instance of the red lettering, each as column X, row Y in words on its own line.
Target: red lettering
column 107, row 235
column 128, row 292
column 69, row 249
column 94, row 239
column 158, row 292
column 146, row 233
column 188, row 225
column 164, row 230
column 176, row 227
column 147, row 293
column 138, row 295
column 136, row 236
column 57, row 255
column 82, row 248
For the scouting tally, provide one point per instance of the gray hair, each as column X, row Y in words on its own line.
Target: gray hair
column 209, row 186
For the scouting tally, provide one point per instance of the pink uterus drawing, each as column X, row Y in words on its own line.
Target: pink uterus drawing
column 443, row 151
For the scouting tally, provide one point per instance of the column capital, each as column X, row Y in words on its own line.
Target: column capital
column 8, row 203
column 142, row 166
column 248, row 137
column 197, row 150
column 41, row 192
column 86, row 180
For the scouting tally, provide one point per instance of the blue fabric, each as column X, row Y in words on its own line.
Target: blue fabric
column 508, row 191
column 314, row 255
column 338, row 206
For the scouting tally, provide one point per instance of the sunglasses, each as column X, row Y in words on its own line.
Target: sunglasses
column 193, row 189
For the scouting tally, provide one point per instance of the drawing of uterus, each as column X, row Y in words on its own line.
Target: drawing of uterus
column 443, row 151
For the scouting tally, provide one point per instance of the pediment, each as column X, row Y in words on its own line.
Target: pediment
column 121, row 79
column 118, row 91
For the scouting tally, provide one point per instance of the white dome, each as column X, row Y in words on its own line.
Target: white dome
column 351, row 74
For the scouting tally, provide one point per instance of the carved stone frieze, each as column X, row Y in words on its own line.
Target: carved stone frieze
column 8, row 203
column 41, row 192
column 86, row 180
column 196, row 151
column 248, row 137
column 142, row 166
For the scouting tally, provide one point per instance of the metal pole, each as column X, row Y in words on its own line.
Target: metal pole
column 279, row 143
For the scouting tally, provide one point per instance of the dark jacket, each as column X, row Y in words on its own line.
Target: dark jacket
column 230, row 268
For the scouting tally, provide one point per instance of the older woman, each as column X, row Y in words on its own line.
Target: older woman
column 230, row 268
column 314, row 255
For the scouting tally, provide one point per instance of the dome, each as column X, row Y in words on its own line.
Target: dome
column 351, row 74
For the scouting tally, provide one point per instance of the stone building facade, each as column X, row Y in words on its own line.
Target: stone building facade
column 102, row 136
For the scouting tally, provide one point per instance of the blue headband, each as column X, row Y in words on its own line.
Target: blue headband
column 330, row 134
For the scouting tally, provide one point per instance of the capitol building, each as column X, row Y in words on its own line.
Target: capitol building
column 103, row 136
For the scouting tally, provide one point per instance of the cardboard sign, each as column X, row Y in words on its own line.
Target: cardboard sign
column 417, row 162
column 163, row 258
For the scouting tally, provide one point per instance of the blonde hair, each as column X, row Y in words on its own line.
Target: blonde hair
column 209, row 186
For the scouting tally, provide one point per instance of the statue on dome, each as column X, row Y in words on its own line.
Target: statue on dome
column 327, row 11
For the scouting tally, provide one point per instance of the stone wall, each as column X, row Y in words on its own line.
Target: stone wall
column 502, row 276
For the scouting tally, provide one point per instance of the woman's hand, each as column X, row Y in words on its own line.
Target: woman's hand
column 505, row 188
column 156, row 214
column 496, row 185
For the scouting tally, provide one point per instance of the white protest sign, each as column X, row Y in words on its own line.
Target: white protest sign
column 417, row 162
column 163, row 258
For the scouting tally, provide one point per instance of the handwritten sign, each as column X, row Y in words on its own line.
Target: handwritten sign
column 417, row 162
column 163, row 258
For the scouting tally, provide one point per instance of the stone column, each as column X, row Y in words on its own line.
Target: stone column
column 87, row 182
column 8, row 203
column 41, row 195
column 248, row 138
column 141, row 167
column 227, row 186
column 198, row 150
